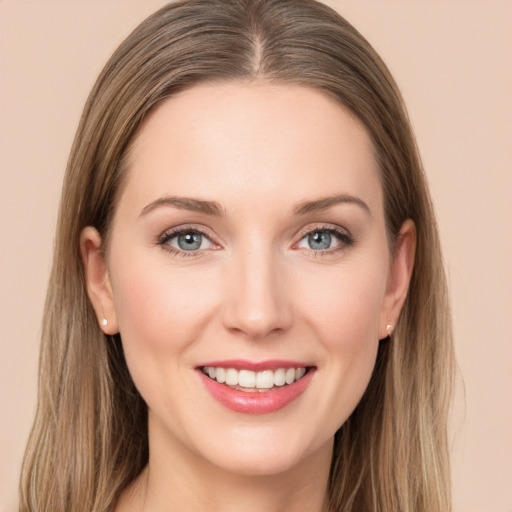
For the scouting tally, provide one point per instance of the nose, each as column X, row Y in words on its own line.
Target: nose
column 258, row 303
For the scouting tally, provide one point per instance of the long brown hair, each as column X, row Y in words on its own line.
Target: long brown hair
column 89, row 438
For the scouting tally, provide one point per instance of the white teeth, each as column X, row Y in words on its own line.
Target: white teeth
column 280, row 377
column 231, row 377
column 290, row 375
column 221, row 375
column 265, row 379
column 299, row 373
column 248, row 379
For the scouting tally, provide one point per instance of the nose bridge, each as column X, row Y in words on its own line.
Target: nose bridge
column 257, row 304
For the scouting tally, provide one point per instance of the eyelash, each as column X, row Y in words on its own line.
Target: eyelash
column 169, row 235
column 346, row 240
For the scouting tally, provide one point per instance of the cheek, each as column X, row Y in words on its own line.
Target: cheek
column 158, row 310
column 348, row 325
column 157, row 306
column 345, row 317
column 346, row 304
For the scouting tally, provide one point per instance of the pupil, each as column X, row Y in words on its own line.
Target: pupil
column 319, row 240
column 189, row 241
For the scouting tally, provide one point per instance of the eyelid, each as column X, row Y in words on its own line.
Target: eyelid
column 321, row 226
column 175, row 231
column 344, row 236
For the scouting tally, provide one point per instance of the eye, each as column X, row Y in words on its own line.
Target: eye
column 185, row 240
column 325, row 240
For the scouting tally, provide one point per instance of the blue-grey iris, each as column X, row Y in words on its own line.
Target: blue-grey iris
column 190, row 241
column 319, row 240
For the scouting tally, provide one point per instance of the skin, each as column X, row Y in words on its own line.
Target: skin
column 255, row 290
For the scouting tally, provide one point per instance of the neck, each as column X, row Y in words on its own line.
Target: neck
column 180, row 480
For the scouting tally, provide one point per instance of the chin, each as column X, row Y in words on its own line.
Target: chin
column 261, row 464
column 266, row 455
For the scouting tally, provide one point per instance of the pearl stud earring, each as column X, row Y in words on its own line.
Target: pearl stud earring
column 104, row 322
column 389, row 329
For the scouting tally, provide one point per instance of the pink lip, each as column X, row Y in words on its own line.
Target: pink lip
column 242, row 364
column 255, row 402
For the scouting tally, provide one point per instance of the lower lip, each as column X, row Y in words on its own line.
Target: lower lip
column 256, row 402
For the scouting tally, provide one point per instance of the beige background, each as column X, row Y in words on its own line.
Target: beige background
column 452, row 60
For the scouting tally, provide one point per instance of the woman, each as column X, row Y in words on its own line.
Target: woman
column 247, row 307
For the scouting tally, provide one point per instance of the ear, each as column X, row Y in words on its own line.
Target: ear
column 97, row 280
column 399, row 278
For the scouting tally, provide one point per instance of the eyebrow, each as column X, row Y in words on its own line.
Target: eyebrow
column 185, row 203
column 324, row 203
column 214, row 208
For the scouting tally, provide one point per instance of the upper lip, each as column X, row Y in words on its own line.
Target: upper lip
column 255, row 366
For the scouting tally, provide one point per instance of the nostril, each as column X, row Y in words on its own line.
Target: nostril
column 255, row 304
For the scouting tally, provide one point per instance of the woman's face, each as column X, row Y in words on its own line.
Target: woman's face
column 249, row 246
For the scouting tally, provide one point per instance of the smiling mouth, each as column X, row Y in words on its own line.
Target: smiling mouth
column 254, row 382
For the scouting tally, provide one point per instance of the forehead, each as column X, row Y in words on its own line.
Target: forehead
column 251, row 142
